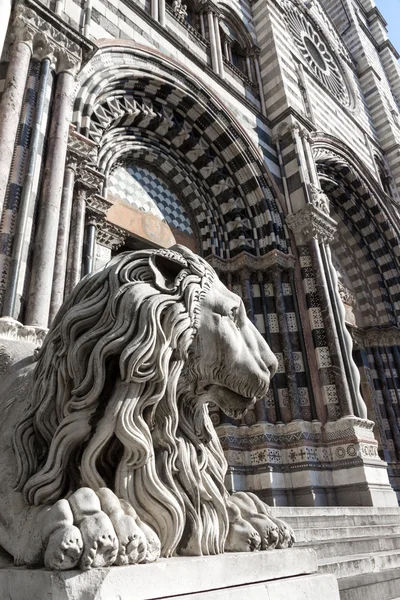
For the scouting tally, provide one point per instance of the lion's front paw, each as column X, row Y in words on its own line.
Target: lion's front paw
column 100, row 543
column 242, row 537
column 258, row 517
column 132, row 540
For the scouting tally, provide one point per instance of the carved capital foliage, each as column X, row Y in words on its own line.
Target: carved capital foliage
column 317, row 198
column 46, row 40
column 110, row 235
column 309, row 223
column 247, row 262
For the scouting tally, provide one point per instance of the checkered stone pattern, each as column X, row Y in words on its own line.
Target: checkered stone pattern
column 374, row 239
column 300, row 361
column 145, row 191
column 324, row 362
column 277, row 403
column 235, row 208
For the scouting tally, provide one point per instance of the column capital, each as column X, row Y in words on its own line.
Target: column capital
column 97, row 207
column 254, row 51
column 311, row 222
column 109, row 235
column 90, row 179
column 46, row 41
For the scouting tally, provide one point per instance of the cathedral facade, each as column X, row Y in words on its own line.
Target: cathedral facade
column 265, row 136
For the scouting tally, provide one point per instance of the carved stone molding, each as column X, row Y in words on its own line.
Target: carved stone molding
column 46, row 40
column 346, row 295
column 14, row 330
column 80, row 148
column 375, row 336
column 89, row 179
column 313, row 220
column 97, row 207
column 110, row 235
column 245, row 261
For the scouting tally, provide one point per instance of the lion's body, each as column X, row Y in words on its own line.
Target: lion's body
column 118, row 400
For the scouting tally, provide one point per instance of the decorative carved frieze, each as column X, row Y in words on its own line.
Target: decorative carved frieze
column 375, row 336
column 47, row 41
column 110, row 235
column 245, row 261
column 89, row 179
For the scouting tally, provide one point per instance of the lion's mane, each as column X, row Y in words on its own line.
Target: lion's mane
column 107, row 408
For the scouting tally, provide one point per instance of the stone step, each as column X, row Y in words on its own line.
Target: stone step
column 384, row 585
column 299, row 522
column 330, row 511
column 351, row 546
column 315, row 534
column 347, row 566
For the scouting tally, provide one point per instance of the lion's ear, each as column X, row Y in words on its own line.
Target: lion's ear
column 167, row 266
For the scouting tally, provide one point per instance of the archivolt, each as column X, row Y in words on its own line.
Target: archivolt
column 370, row 220
column 130, row 97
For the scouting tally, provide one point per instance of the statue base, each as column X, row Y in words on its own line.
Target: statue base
column 273, row 575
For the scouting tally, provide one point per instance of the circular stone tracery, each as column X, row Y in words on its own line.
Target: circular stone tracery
column 316, row 52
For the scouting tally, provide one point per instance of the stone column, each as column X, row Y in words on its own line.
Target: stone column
column 12, row 97
column 49, row 210
column 20, row 247
column 5, row 11
column 255, row 54
column 213, row 43
column 89, row 247
column 312, row 226
column 60, row 263
column 161, row 12
column 249, row 69
column 154, row 9
column 76, row 238
column 80, row 150
column 218, row 46
column 202, row 24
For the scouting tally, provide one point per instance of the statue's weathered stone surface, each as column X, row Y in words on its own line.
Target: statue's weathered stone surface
column 108, row 453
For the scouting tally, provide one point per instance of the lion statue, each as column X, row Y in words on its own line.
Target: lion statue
column 108, row 452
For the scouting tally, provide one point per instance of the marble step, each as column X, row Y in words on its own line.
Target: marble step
column 331, row 511
column 298, row 522
column 347, row 566
column 350, row 546
column 316, row 534
column 384, row 585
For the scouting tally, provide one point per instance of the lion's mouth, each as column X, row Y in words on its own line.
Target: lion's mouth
column 231, row 403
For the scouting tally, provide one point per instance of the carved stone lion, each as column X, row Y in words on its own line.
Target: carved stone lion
column 108, row 454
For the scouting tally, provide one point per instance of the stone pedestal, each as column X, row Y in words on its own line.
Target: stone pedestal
column 308, row 464
column 274, row 575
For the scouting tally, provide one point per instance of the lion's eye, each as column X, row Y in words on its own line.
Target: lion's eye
column 233, row 314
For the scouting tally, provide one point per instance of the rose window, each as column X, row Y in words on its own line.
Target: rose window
column 317, row 53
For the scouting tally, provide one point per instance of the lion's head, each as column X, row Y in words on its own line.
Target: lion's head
column 121, row 389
